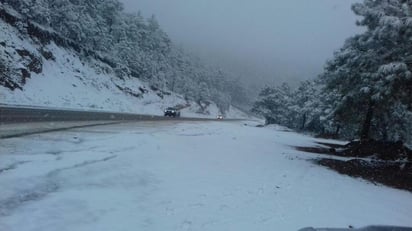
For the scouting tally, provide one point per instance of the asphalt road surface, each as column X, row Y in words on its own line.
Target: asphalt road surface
column 22, row 115
column 22, row 121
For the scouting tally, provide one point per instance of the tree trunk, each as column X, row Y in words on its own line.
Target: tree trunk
column 383, row 125
column 368, row 121
column 303, row 122
column 337, row 130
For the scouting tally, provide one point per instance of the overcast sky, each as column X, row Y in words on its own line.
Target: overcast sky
column 274, row 40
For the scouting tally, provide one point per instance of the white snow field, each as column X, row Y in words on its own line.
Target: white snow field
column 169, row 175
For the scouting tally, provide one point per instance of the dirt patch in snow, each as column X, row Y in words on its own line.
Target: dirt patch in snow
column 376, row 150
column 387, row 163
column 393, row 174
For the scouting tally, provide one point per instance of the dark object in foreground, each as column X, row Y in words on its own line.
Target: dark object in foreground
column 369, row 228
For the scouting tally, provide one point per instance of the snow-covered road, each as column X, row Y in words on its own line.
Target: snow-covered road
column 181, row 176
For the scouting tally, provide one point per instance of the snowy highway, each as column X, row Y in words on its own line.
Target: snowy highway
column 13, row 114
column 182, row 175
column 16, row 121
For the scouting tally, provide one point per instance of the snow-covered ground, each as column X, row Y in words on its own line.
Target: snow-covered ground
column 182, row 176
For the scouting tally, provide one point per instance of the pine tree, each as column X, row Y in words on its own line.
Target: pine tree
column 274, row 105
column 369, row 72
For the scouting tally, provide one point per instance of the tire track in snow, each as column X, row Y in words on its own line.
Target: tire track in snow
column 12, row 166
column 40, row 191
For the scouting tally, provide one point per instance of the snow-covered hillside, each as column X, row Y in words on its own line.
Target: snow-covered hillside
column 173, row 176
column 65, row 81
column 40, row 67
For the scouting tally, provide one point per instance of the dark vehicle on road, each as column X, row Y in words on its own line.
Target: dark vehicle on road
column 173, row 112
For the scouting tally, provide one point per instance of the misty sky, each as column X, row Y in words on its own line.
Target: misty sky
column 272, row 40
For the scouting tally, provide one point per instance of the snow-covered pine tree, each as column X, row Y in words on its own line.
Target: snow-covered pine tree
column 370, row 72
column 274, row 104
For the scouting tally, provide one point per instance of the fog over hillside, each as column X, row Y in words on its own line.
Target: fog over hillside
column 266, row 40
